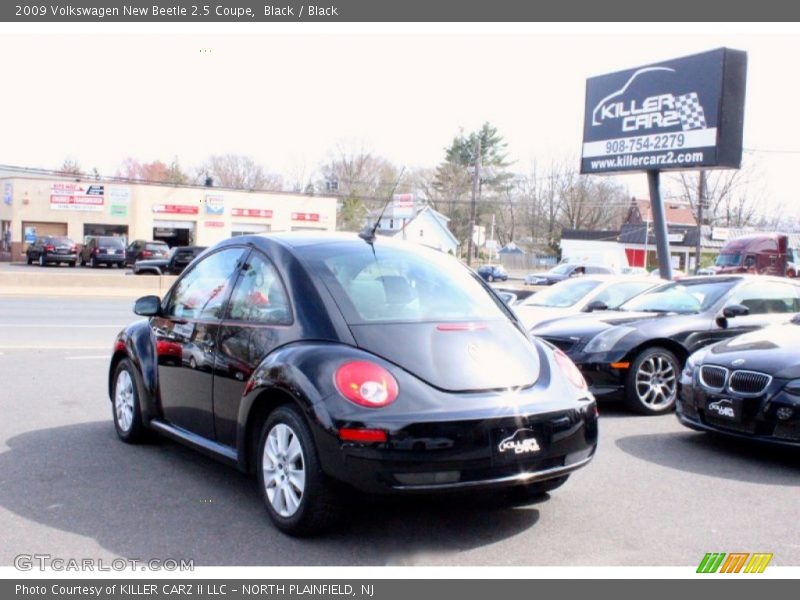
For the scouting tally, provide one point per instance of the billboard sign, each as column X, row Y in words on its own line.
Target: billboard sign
column 403, row 206
column 119, row 199
column 76, row 196
column 175, row 209
column 215, row 204
column 678, row 114
column 299, row 216
column 263, row 213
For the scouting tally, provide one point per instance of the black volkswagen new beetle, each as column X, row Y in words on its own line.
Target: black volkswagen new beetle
column 323, row 362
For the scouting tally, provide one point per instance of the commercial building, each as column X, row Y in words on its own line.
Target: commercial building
column 178, row 215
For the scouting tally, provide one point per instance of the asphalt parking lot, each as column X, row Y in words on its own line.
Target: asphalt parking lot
column 656, row 494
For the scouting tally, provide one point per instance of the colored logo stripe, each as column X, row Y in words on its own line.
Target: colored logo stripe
column 758, row 562
column 713, row 562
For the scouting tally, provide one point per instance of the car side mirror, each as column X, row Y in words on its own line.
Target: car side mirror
column 596, row 305
column 148, row 306
column 735, row 310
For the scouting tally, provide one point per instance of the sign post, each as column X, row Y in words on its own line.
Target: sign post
column 684, row 113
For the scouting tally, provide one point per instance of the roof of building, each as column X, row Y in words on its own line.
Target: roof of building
column 677, row 212
column 583, row 234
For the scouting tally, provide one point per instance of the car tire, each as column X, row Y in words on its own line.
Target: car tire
column 94, row 262
column 82, row 261
column 490, row 278
column 651, row 386
column 30, row 259
column 540, row 488
column 73, row 264
column 42, row 262
column 125, row 404
column 283, row 472
column 791, row 274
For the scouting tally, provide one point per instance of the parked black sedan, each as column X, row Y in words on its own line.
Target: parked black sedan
column 109, row 251
column 493, row 273
column 322, row 361
column 638, row 351
column 565, row 271
column 52, row 249
column 748, row 386
column 178, row 259
column 145, row 250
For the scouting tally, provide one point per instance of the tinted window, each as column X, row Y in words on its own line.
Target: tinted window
column 200, row 294
column 767, row 298
column 564, row 294
column 390, row 284
column 680, row 297
column 729, row 260
column 158, row 247
column 259, row 295
column 110, row 242
column 561, row 269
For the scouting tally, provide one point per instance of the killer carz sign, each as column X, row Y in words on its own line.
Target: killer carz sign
column 678, row 114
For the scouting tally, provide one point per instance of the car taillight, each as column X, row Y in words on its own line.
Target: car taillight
column 49, row 248
column 366, row 384
column 73, row 248
column 147, row 254
column 347, row 434
column 96, row 251
column 569, row 369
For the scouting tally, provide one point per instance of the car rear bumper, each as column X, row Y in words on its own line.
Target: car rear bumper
column 57, row 258
column 105, row 259
column 464, row 455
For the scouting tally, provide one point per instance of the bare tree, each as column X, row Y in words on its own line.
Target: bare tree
column 242, row 172
column 71, row 167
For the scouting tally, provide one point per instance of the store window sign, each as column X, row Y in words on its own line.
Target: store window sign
column 298, row 216
column 77, row 196
column 252, row 212
column 175, row 209
column 8, row 192
column 215, row 224
column 119, row 199
column 215, row 204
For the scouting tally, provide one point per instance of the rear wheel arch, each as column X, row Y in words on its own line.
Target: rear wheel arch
column 265, row 402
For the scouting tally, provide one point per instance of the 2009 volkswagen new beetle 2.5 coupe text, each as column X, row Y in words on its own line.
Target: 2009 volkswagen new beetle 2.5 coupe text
column 328, row 362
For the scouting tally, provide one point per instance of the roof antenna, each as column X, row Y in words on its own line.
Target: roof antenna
column 368, row 233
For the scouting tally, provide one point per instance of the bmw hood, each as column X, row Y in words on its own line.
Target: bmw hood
column 589, row 324
column 774, row 350
column 456, row 357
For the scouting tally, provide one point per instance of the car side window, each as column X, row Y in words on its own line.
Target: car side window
column 201, row 293
column 767, row 298
column 259, row 296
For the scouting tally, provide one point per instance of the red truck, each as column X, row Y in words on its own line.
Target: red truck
column 761, row 253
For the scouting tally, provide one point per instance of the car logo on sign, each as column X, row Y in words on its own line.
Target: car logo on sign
column 738, row 362
column 722, row 407
column 521, row 442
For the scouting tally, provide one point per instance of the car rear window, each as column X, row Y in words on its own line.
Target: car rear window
column 110, row 243
column 391, row 284
column 157, row 247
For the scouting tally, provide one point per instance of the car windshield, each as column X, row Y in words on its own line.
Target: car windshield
column 561, row 270
column 564, row 294
column 62, row 240
column 390, row 284
column 110, row 243
column 729, row 260
column 680, row 297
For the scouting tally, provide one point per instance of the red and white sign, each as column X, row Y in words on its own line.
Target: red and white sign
column 175, row 209
column 251, row 212
column 297, row 216
column 76, row 196
column 215, row 223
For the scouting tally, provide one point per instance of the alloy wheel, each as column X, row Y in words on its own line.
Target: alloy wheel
column 656, row 381
column 284, row 470
column 123, row 400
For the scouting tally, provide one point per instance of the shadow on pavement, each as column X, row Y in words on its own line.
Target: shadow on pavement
column 716, row 456
column 162, row 500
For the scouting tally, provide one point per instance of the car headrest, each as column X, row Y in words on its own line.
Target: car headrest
column 397, row 289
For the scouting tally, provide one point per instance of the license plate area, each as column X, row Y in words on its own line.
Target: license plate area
column 519, row 443
column 728, row 409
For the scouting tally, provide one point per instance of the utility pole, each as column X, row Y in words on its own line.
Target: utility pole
column 701, row 200
column 476, row 181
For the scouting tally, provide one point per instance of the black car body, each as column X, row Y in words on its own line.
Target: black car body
column 748, row 386
column 493, row 273
column 178, row 260
column 396, row 369
column 145, row 250
column 109, row 251
column 52, row 249
column 565, row 271
column 638, row 352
